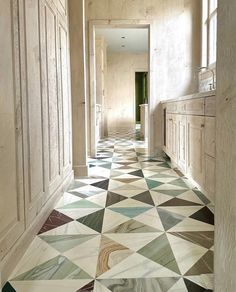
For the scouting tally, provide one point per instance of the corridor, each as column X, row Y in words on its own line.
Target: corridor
column 135, row 224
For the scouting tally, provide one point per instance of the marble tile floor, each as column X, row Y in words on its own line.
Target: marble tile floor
column 134, row 225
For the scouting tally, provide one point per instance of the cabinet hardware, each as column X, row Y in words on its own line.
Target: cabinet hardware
column 202, row 125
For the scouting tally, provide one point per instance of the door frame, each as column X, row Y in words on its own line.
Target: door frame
column 93, row 24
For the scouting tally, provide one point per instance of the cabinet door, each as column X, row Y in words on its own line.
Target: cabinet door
column 182, row 142
column 169, row 134
column 11, row 166
column 196, row 151
column 174, row 146
column 210, row 176
column 210, row 136
column 65, row 98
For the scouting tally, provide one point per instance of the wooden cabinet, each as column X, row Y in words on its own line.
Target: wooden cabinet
column 195, row 148
column 35, row 118
column 190, row 139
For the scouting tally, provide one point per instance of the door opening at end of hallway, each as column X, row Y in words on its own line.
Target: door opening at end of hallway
column 141, row 93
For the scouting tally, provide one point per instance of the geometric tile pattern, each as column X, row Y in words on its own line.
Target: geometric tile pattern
column 135, row 224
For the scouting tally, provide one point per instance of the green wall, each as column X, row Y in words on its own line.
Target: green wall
column 141, row 91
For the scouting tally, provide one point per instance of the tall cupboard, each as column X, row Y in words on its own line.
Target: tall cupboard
column 35, row 116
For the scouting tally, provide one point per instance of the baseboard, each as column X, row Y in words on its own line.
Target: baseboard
column 12, row 258
column 80, row 170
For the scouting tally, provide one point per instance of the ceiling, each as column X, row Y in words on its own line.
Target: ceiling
column 125, row 39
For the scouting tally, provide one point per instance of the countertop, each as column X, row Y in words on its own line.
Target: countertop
column 191, row 96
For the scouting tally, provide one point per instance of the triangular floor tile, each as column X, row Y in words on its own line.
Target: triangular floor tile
column 113, row 198
column 132, row 226
column 54, row 220
column 81, row 204
column 133, row 241
column 179, row 182
column 186, row 253
column 111, row 253
column 203, row 266
column 145, row 198
column 139, row 266
column 63, row 243
column 57, row 268
column 144, row 284
column 169, row 219
column 192, row 287
column 8, row 288
column 204, row 215
column 87, row 288
column 137, row 173
column 102, row 184
column 159, row 251
column 130, row 212
column 172, row 192
column 151, row 218
column 191, row 225
column 153, row 183
column 202, row 238
column 178, row 202
column 179, row 287
column 94, row 220
column 201, row 197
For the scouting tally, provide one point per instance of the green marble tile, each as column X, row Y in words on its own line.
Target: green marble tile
column 179, row 182
column 81, row 204
column 173, row 193
column 169, row 219
column 131, row 212
column 57, row 268
column 132, row 226
column 153, row 183
column 63, row 243
column 94, row 220
column 159, row 251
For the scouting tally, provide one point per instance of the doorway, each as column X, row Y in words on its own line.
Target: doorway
column 141, row 93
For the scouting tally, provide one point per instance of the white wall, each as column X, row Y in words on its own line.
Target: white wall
column 225, row 236
column 120, row 83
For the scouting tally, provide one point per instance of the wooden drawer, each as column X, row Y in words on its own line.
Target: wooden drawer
column 181, row 107
column 195, row 107
column 210, row 106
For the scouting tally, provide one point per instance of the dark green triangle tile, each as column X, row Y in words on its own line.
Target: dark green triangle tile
column 153, row 184
column 8, row 288
column 159, row 251
column 192, row 287
column 78, row 194
column 58, row 268
column 80, row 204
column 144, row 197
column 178, row 202
column 173, row 193
column 113, row 198
column 94, row 220
column 202, row 238
column 137, row 173
column 204, row 215
column 178, row 182
column 102, row 184
column 63, row 243
column 130, row 212
column 169, row 219
column 202, row 266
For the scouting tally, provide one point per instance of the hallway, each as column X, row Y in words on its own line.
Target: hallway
column 135, row 224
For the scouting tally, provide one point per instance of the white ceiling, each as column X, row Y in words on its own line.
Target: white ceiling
column 135, row 41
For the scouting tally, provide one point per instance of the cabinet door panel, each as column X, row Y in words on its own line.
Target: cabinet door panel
column 169, row 133
column 210, row 135
column 182, row 139
column 65, row 99
column 196, row 146
column 174, row 143
column 210, row 177
column 32, row 107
